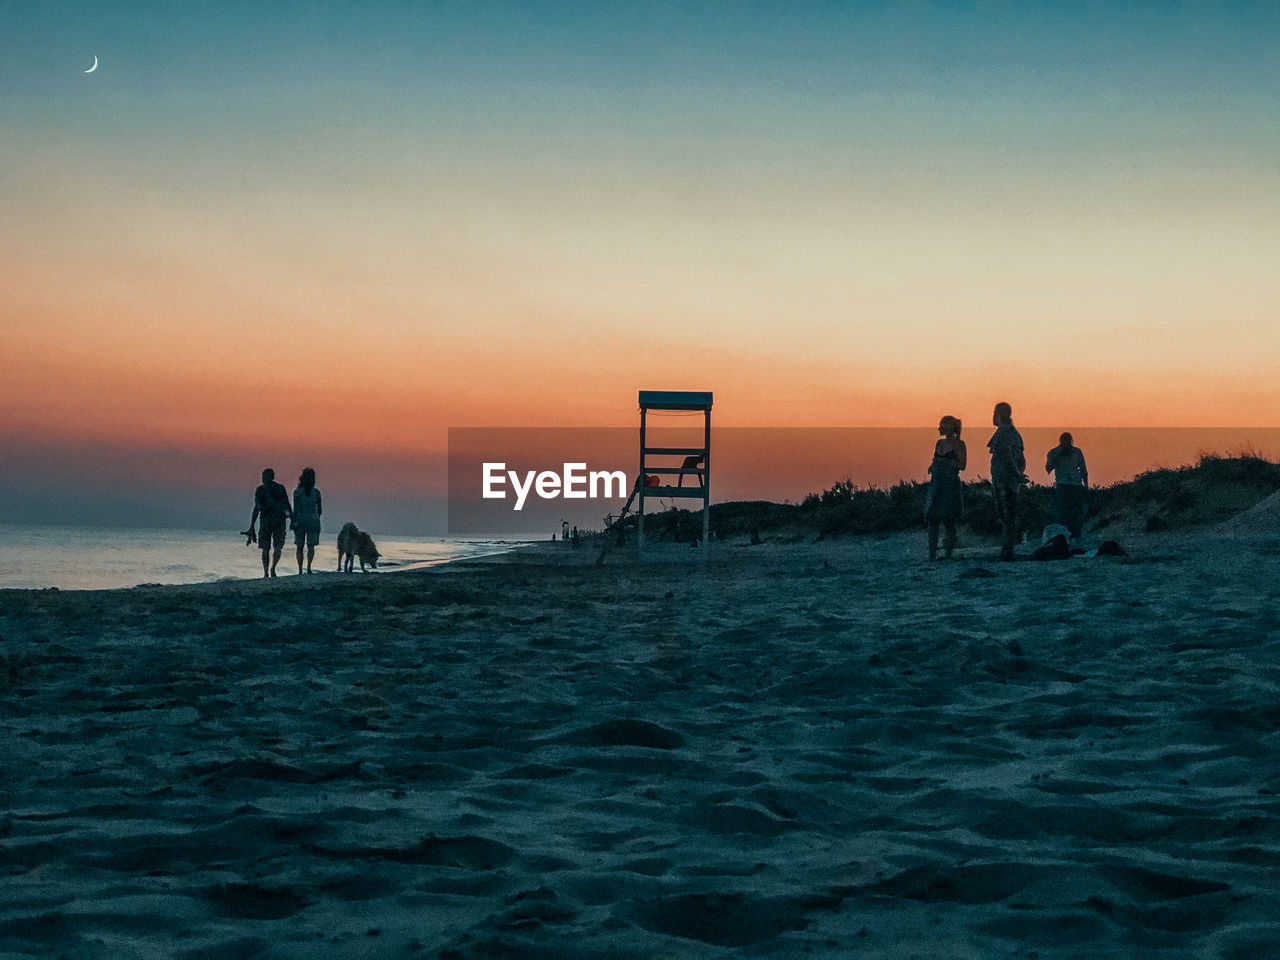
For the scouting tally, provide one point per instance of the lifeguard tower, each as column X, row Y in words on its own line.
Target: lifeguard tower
column 695, row 461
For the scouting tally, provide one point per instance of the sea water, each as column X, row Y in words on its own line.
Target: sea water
column 98, row 558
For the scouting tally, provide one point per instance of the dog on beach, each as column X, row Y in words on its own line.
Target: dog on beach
column 352, row 543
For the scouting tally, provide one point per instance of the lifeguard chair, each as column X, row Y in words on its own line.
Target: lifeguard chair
column 695, row 461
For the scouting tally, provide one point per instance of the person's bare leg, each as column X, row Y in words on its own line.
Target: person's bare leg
column 949, row 539
column 1009, row 531
column 275, row 559
column 266, row 561
column 300, row 559
column 311, row 555
column 933, row 539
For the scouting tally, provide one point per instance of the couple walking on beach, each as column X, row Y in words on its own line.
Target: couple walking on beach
column 271, row 509
column 944, row 502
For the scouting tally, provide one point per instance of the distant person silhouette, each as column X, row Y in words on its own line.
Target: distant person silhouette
column 575, row 538
column 1070, row 481
column 271, row 507
column 944, row 502
column 564, row 530
column 1008, row 474
column 306, row 516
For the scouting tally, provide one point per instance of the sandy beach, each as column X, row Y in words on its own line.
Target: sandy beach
column 827, row 750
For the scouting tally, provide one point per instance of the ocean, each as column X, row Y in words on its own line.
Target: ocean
column 100, row 558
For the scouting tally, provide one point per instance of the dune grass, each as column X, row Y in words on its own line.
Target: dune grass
column 1211, row 489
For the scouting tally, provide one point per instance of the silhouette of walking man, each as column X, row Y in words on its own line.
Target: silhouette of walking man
column 271, row 508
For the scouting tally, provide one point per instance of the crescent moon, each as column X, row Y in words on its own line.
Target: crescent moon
column 95, row 64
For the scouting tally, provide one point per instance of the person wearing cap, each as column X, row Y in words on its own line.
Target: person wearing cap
column 1070, row 481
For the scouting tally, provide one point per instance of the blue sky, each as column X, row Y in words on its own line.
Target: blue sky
column 829, row 213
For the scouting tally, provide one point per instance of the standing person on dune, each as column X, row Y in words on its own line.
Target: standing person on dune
column 1071, row 480
column 1008, row 474
column 944, row 503
column 271, row 504
column 306, row 516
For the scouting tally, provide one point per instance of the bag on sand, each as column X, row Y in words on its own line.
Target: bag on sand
column 1058, row 547
column 1053, row 530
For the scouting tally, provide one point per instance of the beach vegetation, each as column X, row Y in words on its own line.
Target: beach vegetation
column 1212, row 489
column 1208, row 491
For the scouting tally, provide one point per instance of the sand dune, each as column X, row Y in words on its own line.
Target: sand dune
column 1260, row 521
column 822, row 750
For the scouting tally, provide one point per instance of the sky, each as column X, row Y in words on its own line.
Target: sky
column 287, row 234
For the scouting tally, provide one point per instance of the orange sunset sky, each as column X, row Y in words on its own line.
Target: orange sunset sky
column 325, row 234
